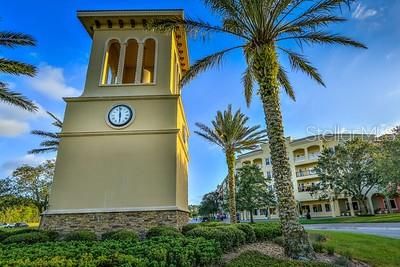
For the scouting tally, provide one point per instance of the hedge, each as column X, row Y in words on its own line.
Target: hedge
column 163, row 231
column 267, row 231
column 82, row 235
column 27, row 238
column 248, row 230
column 158, row 251
column 228, row 236
column 127, row 235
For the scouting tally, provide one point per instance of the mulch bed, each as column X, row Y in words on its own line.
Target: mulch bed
column 276, row 251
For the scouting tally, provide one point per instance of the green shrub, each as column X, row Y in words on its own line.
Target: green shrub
column 347, row 254
column 316, row 237
column 186, row 228
column 213, row 224
column 10, row 232
column 158, row 251
column 330, row 250
column 82, row 235
column 27, row 238
column 248, row 230
column 318, row 247
column 127, row 235
column 267, row 231
column 227, row 236
column 163, row 231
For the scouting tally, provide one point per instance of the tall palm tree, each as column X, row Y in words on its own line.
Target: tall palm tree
column 229, row 131
column 53, row 139
column 11, row 40
column 266, row 29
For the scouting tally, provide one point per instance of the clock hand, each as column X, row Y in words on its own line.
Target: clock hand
column 119, row 115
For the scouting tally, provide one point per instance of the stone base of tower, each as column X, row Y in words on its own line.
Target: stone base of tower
column 102, row 222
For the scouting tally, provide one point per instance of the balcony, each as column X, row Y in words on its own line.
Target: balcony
column 314, row 156
column 300, row 158
column 306, row 173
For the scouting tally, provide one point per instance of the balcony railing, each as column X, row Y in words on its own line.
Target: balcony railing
column 313, row 156
column 306, row 173
column 299, row 158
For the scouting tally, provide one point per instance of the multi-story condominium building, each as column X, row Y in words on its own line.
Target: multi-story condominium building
column 303, row 157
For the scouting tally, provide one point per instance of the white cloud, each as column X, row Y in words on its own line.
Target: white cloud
column 9, row 166
column 51, row 82
column 362, row 12
column 14, row 120
column 12, row 128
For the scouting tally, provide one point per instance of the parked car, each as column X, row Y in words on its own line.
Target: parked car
column 3, row 225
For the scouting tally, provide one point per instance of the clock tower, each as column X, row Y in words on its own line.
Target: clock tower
column 122, row 161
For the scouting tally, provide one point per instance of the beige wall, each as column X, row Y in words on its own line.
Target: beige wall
column 115, row 172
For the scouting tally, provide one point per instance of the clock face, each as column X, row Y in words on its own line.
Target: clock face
column 120, row 116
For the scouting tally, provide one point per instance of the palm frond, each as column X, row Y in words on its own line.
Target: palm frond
column 323, row 38
column 285, row 83
column 230, row 132
column 312, row 22
column 16, row 99
column 299, row 62
column 13, row 39
column 16, row 67
column 248, row 82
column 44, row 134
column 191, row 26
column 205, row 63
column 57, row 122
column 42, row 150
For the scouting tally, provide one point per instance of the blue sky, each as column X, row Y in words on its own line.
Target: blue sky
column 363, row 86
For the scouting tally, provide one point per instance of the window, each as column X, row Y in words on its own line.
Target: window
column 269, row 174
column 149, row 55
column 263, row 212
column 255, row 212
column 393, row 204
column 317, row 208
column 111, row 61
column 355, row 205
column 130, row 64
column 267, row 161
column 327, row 207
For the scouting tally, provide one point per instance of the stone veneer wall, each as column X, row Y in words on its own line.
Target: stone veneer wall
column 102, row 222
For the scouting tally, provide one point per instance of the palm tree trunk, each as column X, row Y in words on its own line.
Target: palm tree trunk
column 266, row 69
column 230, row 160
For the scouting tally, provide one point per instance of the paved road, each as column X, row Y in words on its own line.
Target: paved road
column 382, row 229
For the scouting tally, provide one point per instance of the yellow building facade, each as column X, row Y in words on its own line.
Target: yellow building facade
column 123, row 156
column 303, row 157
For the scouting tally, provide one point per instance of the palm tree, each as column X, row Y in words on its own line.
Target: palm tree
column 229, row 131
column 266, row 29
column 11, row 40
column 50, row 144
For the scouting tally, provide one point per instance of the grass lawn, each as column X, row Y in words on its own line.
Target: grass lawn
column 375, row 250
column 363, row 219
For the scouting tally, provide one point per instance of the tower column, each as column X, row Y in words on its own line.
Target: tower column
column 121, row 62
column 139, row 65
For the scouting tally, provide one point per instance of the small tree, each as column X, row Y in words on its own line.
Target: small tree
column 349, row 169
column 252, row 190
column 209, row 204
column 389, row 163
column 33, row 183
